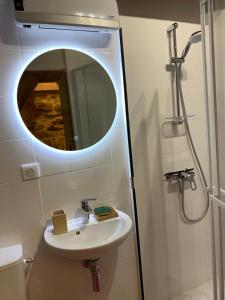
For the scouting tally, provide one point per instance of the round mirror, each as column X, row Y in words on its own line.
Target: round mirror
column 66, row 99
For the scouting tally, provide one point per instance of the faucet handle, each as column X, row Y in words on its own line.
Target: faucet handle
column 85, row 203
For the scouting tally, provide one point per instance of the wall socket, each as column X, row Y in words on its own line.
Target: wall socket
column 30, row 171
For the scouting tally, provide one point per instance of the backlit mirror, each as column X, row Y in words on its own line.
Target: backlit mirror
column 66, row 99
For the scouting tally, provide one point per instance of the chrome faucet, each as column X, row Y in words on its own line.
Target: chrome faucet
column 181, row 176
column 86, row 209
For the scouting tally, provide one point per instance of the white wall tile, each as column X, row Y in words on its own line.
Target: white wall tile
column 158, row 139
column 154, row 42
column 155, row 39
column 41, row 283
column 11, row 65
column 144, row 105
column 151, row 106
column 121, row 187
column 122, row 194
column 194, row 102
column 170, row 143
column 12, row 155
column 10, row 125
column 126, row 292
column 119, row 146
column 26, row 233
column 127, row 249
column 53, row 162
column 131, row 280
column 20, row 202
column 143, row 73
column 169, row 163
column 151, row 73
column 67, row 190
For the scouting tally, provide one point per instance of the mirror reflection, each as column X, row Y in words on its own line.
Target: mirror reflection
column 66, row 99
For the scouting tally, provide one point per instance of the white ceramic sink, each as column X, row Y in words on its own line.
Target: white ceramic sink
column 90, row 240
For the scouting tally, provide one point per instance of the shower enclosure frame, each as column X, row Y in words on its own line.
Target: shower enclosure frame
column 138, row 242
column 215, row 191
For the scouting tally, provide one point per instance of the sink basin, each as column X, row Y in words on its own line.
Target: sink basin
column 83, row 241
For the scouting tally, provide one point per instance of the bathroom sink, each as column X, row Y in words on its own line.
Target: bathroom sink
column 83, row 241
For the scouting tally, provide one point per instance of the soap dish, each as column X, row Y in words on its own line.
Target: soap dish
column 104, row 213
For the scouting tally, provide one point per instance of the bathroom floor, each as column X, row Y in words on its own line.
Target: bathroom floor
column 202, row 292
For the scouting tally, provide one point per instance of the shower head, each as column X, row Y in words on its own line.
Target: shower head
column 196, row 37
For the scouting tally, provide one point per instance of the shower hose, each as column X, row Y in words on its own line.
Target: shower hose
column 184, row 214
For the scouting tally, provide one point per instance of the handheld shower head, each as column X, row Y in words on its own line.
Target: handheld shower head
column 196, row 37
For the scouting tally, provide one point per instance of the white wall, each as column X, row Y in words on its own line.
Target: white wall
column 176, row 257
column 100, row 172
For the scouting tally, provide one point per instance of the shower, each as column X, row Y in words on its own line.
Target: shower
column 196, row 37
column 187, row 174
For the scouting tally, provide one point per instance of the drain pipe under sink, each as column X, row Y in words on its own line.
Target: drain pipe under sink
column 93, row 265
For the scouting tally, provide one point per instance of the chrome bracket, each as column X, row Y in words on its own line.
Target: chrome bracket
column 176, row 60
column 179, row 120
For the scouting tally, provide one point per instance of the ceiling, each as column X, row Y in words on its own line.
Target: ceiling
column 176, row 10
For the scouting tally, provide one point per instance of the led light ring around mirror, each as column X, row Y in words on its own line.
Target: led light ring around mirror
column 23, row 125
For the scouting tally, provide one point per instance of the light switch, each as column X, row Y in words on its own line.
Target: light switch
column 30, row 171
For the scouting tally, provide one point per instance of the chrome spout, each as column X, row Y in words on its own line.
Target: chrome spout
column 86, row 209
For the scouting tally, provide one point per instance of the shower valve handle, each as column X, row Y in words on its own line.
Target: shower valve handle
column 192, row 182
column 190, row 177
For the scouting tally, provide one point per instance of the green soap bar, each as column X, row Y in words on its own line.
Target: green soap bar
column 103, row 210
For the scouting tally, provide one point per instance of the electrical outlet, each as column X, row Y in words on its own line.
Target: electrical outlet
column 30, row 171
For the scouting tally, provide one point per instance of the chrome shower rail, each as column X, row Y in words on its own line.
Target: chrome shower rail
column 171, row 30
column 172, row 27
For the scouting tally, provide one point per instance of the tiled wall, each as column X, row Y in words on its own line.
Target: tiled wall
column 101, row 172
column 176, row 256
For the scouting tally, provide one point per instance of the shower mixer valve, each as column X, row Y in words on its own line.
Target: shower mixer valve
column 181, row 176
